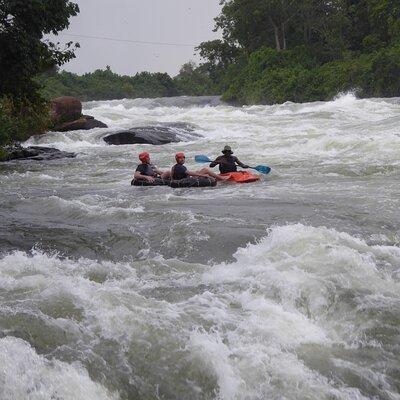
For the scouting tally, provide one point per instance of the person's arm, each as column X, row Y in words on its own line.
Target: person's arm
column 189, row 173
column 138, row 175
column 240, row 163
column 215, row 162
column 157, row 171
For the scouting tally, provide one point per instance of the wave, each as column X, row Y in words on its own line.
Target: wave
column 283, row 319
column 28, row 375
column 180, row 102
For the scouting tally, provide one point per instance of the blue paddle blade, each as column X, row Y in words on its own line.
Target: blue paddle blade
column 262, row 168
column 202, row 159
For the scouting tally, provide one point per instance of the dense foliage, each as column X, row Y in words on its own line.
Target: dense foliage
column 21, row 118
column 107, row 85
column 23, row 54
column 279, row 50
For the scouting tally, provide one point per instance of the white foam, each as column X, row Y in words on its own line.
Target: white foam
column 285, row 286
column 244, row 328
column 26, row 375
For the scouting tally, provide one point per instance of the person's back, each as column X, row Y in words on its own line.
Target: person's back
column 227, row 163
column 146, row 169
column 179, row 171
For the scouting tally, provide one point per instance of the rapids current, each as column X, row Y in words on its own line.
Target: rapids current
column 288, row 288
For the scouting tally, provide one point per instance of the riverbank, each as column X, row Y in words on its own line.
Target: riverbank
column 272, row 77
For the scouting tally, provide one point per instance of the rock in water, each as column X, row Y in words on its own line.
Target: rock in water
column 65, row 109
column 156, row 135
column 148, row 135
column 86, row 122
column 37, row 153
column 66, row 114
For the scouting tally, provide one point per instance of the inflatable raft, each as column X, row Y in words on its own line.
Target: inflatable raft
column 242, row 177
column 193, row 182
column 157, row 182
column 181, row 183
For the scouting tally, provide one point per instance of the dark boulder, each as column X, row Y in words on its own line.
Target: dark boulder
column 156, row 135
column 36, row 153
column 65, row 108
column 91, row 123
column 86, row 122
column 66, row 114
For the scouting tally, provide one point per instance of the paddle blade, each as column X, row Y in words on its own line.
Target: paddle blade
column 263, row 169
column 202, row 159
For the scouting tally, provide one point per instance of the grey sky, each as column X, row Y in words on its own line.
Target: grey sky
column 166, row 21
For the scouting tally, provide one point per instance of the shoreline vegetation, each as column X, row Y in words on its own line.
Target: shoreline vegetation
column 107, row 85
column 271, row 51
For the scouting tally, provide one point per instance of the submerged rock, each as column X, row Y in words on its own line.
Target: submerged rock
column 37, row 153
column 157, row 135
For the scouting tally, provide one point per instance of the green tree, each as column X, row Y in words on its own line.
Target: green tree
column 23, row 54
column 281, row 24
column 278, row 50
column 194, row 81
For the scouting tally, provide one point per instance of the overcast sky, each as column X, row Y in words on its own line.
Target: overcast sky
column 164, row 21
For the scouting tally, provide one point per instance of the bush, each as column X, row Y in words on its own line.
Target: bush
column 20, row 119
column 106, row 85
column 385, row 70
column 272, row 76
column 275, row 77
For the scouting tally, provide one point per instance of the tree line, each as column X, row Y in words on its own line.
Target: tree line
column 107, row 85
column 273, row 51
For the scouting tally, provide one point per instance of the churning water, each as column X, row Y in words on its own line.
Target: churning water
column 288, row 288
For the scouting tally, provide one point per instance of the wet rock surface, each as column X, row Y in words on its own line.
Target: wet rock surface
column 66, row 114
column 86, row 122
column 65, row 108
column 37, row 153
column 156, row 135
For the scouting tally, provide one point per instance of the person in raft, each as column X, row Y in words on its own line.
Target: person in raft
column 227, row 163
column 179, row 171
column 147, row 171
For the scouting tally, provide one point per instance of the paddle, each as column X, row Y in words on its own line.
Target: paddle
column 260, row 168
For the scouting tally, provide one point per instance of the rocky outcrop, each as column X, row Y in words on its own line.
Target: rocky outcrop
column 65, row 109
column 86, row 122
column 156, row 135
column 36, row 153
column 66, row 114
column 148, row 135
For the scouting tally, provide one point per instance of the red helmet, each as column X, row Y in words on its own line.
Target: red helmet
column 144, row 156
column 179, row 156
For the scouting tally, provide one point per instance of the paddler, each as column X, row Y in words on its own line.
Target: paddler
column 147, row 171
column 227, row 163
column 179, row 171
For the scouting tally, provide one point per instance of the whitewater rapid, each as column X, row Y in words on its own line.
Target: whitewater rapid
column 288, row 288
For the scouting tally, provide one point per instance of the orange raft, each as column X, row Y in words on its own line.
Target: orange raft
column 241, row 177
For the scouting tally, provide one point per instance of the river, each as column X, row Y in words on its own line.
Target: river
column 287, row 288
